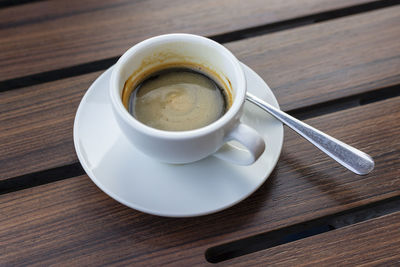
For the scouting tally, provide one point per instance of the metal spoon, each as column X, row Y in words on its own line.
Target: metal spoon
column 350, row 157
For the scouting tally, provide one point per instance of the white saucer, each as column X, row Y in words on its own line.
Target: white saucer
column 137, row 181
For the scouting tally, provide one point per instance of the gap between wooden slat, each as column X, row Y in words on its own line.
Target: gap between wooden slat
column 53, row 75
column 103, row 64
column 40, row 178
column 299, row 231
column 10, row 3
column 345, row 103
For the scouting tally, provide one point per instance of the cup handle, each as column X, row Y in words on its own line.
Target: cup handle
column 249, row 138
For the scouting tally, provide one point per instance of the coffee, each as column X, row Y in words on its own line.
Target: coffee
column 177, row 99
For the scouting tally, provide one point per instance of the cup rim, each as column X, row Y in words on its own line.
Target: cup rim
column 238, row 100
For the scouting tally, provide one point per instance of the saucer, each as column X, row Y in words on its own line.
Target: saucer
column 139, row 182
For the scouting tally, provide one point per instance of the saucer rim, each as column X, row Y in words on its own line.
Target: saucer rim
column 152, row 211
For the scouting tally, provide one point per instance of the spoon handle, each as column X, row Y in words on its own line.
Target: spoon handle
column 350, row 157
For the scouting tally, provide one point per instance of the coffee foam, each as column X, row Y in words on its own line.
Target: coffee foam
column 178, row 101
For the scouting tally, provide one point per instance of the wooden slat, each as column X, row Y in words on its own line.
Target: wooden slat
column 299, row 66
column 372, row 243
column 74, row 223
column 49, row 35
column 328, row 60
column 36, row 125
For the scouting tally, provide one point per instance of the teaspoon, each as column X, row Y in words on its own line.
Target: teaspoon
column 348, row 156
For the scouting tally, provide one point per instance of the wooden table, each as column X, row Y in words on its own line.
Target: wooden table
column 334, row 64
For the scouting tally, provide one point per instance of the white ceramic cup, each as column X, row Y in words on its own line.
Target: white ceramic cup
column 187, row 146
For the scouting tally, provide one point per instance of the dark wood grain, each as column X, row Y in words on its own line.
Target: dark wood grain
column 36, row 125
column 328, row 60
column 49, row 35
column 372, row 243
column 74, row 223
column 303, row 66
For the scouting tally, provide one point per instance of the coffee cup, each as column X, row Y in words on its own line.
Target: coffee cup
column 180, row 147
